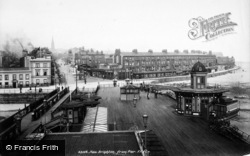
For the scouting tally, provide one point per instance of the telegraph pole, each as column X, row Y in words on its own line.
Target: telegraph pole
column 76, row 73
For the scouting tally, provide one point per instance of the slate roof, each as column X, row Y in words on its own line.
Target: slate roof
column 108, row 141
column 198, row 67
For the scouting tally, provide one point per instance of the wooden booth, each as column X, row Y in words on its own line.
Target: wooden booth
column 129, row 92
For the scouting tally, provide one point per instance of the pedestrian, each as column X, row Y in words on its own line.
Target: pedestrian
column 62, row 87
column 148, row 90
column 156, row 92
column 21, row 88
column 141, row 86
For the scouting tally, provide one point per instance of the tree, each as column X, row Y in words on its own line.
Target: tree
column 10, row 59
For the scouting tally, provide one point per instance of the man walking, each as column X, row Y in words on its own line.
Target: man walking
column 148, row 90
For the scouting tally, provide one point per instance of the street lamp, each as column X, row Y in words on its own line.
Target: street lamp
column 55, row 81
column 134, row 103
column 76, row 78
column 145, row 120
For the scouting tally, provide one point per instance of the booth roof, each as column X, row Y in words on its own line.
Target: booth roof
column 130, row 86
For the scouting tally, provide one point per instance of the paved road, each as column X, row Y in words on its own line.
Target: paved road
column 180, row 135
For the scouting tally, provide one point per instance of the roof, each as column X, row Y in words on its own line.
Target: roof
column 161, row 54
column 198, row 68
column 85, row 97
column 75, row 104
column 150, row 72
column 129, row 86
column 154, row 145
column 107, row 141
column 13, row 69
column 201, row 91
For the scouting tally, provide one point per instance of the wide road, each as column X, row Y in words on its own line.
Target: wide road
column 180, row 135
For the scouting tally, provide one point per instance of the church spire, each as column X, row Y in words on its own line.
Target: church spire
column 52, row 44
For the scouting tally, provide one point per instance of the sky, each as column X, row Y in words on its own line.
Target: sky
column 124, row 24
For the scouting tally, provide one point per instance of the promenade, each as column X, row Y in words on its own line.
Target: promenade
column 180, row 135
column 28, row 126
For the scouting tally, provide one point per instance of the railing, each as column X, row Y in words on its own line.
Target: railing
column 21, row 113
column 46, row 105
column 66, row 100
column 121, row 84
column 26, row 90
column 245, row 136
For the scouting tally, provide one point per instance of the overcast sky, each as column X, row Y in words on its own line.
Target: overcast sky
column 125, row 24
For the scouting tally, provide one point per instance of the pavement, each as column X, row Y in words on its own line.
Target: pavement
column 28, row 126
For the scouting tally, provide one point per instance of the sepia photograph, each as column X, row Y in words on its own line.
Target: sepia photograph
column 124, row 78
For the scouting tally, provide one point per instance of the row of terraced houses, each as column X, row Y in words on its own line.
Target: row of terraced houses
column 34, row 71
column 136, row 65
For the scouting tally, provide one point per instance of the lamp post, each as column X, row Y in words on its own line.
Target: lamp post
column 55, row 81
column 76, row 74
column 35, row 92
column 134, row 104
column 132, row 73
column 145, row 120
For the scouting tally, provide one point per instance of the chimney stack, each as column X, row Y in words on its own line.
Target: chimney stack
column 176, row 51
column 117, row 51
column 165, row 51
column 25, row 52
column 135, row 51
column 150, row 51
column 185, row 51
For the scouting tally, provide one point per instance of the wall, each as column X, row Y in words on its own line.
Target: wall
column 20, row 98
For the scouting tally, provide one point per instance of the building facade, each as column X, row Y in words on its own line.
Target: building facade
column 149, row 64
column 89, row 57
column 15, row 77
column 35, row 70
column 40, row 71
column 200, row 100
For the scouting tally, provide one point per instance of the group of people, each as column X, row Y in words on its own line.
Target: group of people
column 149, row 89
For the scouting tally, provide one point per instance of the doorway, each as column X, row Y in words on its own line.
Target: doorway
column 14, row 85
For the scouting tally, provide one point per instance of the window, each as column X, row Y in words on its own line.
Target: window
column 45, row 72
column 6, row 77
column 0, row 77
column 14, row 76
column 45, row 65
column 37, row 72
column 27, row 77
column 198, row 80
column 6, row 84
column 200, row 69
column 37, row 65
column 20, row 76
column 27, row 83
column 45, row 81
column 21, row 83
column 37, row 81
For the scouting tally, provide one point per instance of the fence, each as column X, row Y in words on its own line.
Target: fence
column 51, row 100
column 54, row 112
column 26, row 90
column 121, row 84
column 35, row 106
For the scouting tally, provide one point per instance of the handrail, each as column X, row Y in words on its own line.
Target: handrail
column 21, row 113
